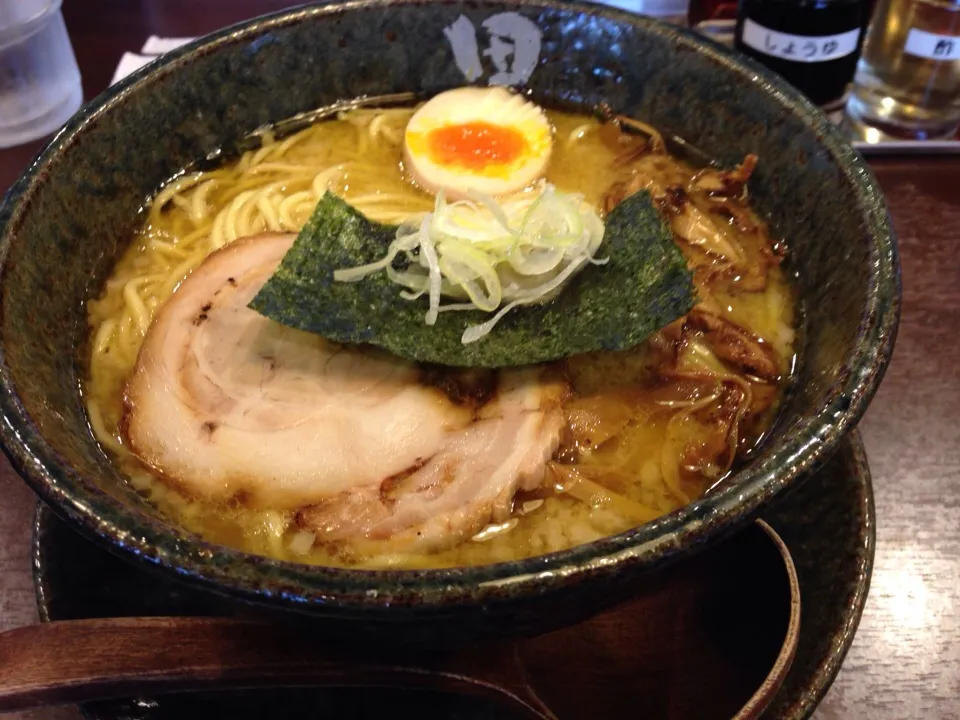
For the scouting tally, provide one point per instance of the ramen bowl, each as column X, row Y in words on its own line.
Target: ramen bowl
column 73, row 211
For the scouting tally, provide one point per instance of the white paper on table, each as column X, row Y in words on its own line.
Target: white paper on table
column 130, row 62
column 153, row 48
column 160, row 45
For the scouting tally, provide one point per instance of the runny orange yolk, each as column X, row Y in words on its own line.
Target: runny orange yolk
column 475, row 145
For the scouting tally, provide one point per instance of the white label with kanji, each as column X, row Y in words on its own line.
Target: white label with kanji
column 933, row 46
column 799, row 48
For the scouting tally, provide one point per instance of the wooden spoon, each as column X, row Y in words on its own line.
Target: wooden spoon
column 716, row 640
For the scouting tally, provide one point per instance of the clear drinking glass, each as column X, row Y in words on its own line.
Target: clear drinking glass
column 907, row 83
column 39, row 80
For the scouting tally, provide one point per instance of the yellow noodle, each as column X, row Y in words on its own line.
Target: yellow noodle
column 166, row 249
column 259, row 155
column 100, row 430
column 322, row 180
column 104, row 333
column 375, row 125
column 175, row 188
column 177, row 274
column 230, row 219
column 294, row 203
column 181, row 202
column 282, row 148
column 245, row 221
column 196, row 237
column 269, row 212
column 395, row 137
column 141, row 315
column 243, row 164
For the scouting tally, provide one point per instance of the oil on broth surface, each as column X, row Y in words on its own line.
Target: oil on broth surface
column 649, row 429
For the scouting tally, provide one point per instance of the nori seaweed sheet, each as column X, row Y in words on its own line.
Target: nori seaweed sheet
column 644, row 287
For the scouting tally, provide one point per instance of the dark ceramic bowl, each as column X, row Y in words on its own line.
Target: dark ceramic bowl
column 66, row 219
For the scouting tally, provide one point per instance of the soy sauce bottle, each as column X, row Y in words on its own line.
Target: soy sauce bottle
column 814, row 44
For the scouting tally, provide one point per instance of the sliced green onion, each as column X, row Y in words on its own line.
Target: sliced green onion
column 498, row 255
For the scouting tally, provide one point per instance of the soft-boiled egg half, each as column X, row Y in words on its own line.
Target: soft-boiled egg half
column 489, row 140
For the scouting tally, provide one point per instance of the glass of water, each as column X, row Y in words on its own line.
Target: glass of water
column 907, row 83
column 39, row 80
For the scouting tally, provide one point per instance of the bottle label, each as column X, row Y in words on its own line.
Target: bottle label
column 799, row 48
column 930, row 45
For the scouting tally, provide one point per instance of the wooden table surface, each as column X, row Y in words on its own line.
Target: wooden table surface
column 905, row 661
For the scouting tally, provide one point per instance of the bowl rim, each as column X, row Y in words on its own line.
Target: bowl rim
column 134, row 534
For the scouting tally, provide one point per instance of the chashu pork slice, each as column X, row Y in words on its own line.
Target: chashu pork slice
column 228, row 405
column 471, row 480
